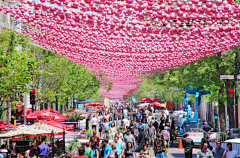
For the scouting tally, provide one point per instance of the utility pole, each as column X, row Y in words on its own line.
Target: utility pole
column 236, row 90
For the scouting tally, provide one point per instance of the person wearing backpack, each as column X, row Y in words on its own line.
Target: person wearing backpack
column 160, row 148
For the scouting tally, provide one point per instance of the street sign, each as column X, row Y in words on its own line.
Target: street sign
column 223, row 77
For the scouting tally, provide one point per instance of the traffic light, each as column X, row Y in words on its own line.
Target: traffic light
column 32, row 96
column 230, row 96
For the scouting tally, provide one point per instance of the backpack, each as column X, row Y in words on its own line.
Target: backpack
column 159, row 146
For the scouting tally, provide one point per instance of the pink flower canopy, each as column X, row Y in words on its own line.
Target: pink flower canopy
column 130, row 38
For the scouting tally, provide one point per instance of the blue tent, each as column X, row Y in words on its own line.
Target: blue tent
column 81, row 102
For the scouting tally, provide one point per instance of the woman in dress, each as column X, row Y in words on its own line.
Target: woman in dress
column 128, row 153
column 105, row 128
column 112, row 131
column 144, row 153
column 101, row 127
column 110, row 121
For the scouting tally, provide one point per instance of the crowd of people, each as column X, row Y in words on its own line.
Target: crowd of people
column 127, row 132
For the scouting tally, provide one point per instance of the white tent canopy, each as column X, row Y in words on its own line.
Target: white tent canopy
column 237, row 140
column 37, row 128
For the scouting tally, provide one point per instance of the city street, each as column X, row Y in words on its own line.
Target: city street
column 174, row 152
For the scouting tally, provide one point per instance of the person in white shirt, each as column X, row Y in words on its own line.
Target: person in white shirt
column 230, row 152
column 94, row 123
column 165, row 115
column 167, row 112
column 126, row 121
column 149, row 118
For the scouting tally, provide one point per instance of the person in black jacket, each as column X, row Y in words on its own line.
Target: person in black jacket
column 187, row 145
column 141, row 140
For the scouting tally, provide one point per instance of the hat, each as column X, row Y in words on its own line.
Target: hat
column 94, row 132
column 129, row 130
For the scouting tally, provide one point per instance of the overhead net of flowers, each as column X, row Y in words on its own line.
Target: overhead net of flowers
column 127, row 39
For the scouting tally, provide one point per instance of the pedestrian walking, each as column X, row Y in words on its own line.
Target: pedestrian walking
column 162, row 123
column 119, row 147
column 94, row 139
column 166, row 135
column 95, row 151
column 81, row 153
column 160, row 148
column 105, row 128
column 141, row 139
column 151, row 134
column 205, row 152
column 101, row 127
column 129, row 152
column 88, row 151
column 218, row 151
column 94, row 123
column 43, row 149
column 107, row 149
column 129, row 138
column 187, row 145
column 112, row 131
column 145, row 153
column 230, row 152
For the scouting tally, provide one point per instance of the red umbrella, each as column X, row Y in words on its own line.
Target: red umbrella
column 144, row 99
column 152, row 99
column 99, row 105
column 91, row 104
column 45, row 115
column 125, row 102
column 4, row 125
column 101, row 100
column 139, row 106
column 154, row 104
column 53, row 111
column 21, row 113
column 58, row 125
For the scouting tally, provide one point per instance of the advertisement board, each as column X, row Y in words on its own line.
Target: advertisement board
column 196, row 136
column 81, row 106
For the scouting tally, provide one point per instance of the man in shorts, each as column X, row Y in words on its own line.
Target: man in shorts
column 151, row 131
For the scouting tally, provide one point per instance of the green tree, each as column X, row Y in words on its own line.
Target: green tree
column 206, row 73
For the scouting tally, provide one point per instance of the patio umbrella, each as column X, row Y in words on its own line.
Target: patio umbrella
column 58, row 125
column 53, row 111
column 154, row 103
column 144, row 99
column 20, row 113
column 101, row 100
column 4, row 125
column 99, row 104
column 45, row 115
column 151, row 99
column 90, row 104
column 138, row 106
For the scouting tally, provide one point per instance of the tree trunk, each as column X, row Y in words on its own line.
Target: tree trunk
column 230, row 110
column 66, row 104
column 221, row 104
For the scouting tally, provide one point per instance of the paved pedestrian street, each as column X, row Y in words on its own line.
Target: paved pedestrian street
column 174, row 153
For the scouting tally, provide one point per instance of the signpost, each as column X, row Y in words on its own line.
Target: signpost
column 224, row 77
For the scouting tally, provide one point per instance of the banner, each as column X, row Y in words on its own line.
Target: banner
column 81, row 106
